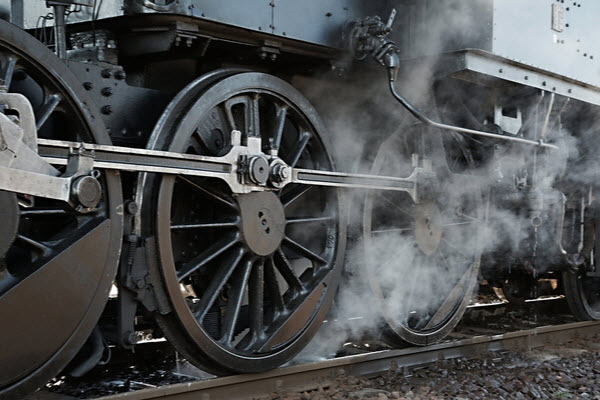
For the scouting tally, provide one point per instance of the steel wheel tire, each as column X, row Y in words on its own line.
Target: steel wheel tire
column 421, row 260
column 50, row 311
column 197, row 341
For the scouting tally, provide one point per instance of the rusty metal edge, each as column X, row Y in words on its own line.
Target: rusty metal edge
column 310, row 376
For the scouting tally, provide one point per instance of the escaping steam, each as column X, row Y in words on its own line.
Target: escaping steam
column 392, row 276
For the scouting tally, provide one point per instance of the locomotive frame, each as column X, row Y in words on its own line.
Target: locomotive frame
column 169, row 147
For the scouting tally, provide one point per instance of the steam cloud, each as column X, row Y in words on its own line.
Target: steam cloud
column 359, row 113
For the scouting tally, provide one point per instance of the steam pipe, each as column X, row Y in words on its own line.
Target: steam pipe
column 60, row 34
column 392, row 72
column 368, row 38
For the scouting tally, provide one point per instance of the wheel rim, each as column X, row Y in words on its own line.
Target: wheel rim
column 583, row 295
column 53, row 245
column 581, row 291
column 421, row 260
column 255, row 283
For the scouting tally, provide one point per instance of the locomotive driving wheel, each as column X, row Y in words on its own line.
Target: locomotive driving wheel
column 56, row 264
column 249, row 276
column 421, row 258
column 582, row 285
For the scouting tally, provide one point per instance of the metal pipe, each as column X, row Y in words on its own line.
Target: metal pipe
column 60, row 32
column 467, row 131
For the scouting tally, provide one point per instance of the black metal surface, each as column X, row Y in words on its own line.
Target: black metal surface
column 49, row 264
column 9, row 212
column 289, row 285
column 266, row 265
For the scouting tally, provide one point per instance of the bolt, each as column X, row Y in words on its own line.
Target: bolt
column 131, row 338
column 284, row 172
column 107, row 91
column 131, row 206
column 107, row 109
column 120, row 75
column 106, row 73
column 88, row 85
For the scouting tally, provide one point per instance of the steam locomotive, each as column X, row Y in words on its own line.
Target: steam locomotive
column 200, row 170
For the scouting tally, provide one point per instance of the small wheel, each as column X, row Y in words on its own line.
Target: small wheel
column 422, row 259
column 250, row 276
column 583, row 295
column 56, row 265
column 581, row 288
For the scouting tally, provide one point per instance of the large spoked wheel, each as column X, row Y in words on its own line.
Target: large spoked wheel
column 583, row 295
column 56, row 265
column 421, row 260
column 581, row 289
column 250, row 277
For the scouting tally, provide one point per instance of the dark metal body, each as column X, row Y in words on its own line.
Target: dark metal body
column 133, row 57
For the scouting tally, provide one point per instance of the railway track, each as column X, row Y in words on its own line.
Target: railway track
column 310, row 376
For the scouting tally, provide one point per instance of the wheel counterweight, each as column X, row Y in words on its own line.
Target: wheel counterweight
column 56, row 265
column 250, row 276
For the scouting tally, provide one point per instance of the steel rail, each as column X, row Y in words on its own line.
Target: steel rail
column 324, row 373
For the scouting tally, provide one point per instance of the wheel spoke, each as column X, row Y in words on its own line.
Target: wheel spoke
column 206, row 256
column 458, row 223
column 280, row 117
column 395, row 205
column 455, row 295
column 273, row 287
column 284, row 267
column 475, row 219
column 308, row 220
column 391, row 258
column 456, row 249
column 297, row 247
column 292, row 195
column 207, row 225
column 8, row 68
column 41, row 211
column 254, row 116
column 209, row 193
column 45, row 250
column 299, row 149
column 394, row 230
column 234, row 303
column 248, row 118
column 222, row 274
column 409, row 298
column 255, row 300
column 198, row 134
column 46, row 109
